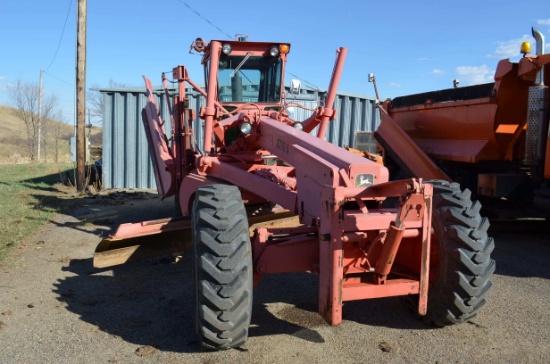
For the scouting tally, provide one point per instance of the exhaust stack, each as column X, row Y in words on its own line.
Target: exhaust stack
column 539, row 37
column 537, row 112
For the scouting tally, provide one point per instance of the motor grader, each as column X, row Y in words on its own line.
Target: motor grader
column 266, row 194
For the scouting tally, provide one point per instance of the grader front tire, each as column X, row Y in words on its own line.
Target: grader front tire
column 223, row 267
column 465, row 265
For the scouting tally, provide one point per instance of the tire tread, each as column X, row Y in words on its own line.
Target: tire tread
column 465, row 265
column 223, row 267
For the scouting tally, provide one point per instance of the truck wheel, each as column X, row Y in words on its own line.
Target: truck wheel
column 461, row 273
column 223, row 267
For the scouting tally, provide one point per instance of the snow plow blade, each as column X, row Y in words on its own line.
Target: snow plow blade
column 154, row 238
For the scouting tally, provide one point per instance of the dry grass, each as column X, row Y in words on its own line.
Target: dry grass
column 13, row 137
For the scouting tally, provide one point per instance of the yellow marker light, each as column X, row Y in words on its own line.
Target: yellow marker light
column 284, row 48
column 525, row 47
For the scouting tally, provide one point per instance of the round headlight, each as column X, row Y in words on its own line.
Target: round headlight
column 274, row 51
column 298, row 126
column 226, row 48
column 246, row 127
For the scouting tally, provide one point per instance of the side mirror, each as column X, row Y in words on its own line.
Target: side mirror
column 295, row 87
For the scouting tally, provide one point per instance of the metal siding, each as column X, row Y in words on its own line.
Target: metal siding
column 119, row 140
column 107, row 145
column 131, row 144
column 126, row 158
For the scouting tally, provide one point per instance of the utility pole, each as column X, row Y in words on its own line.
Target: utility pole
column 39, row 116
column 81, row 96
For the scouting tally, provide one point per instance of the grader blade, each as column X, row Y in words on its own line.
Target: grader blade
column 143, row 240
column 154, row 238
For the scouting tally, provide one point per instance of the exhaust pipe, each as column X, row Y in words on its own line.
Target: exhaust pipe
column 539, row 37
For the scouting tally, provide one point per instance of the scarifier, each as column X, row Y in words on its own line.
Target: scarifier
column 329, row 211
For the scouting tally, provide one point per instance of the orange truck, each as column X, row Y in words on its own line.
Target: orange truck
column 491, row 138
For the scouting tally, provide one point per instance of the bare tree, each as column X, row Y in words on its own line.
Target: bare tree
column 25, row 98
column 47, row 124
column 48, row 109
column 59, row 132
column 94, row 99
column 95, row 103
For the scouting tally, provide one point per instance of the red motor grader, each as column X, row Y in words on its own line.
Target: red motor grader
column 331, row 212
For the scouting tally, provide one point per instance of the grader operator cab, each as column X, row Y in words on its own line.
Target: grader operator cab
column 328, row 208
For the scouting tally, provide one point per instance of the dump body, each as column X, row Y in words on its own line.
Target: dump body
column 469, row 124
column 492, row 138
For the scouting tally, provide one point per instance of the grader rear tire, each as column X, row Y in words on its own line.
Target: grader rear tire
column 465, row 266
column 223, row 267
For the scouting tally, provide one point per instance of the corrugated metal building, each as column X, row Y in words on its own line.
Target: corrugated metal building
column 126, row 159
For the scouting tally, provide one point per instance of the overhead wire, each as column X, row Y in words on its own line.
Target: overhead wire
column 309, row 83
column 61, row 37
column 230, row 37
column 59, row 79
column 205, row 19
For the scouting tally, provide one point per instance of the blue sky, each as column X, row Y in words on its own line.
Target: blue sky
column 411, row 46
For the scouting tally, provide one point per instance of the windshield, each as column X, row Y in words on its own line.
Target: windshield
column 249, row 79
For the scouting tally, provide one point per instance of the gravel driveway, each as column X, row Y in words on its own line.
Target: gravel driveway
column 56, row 308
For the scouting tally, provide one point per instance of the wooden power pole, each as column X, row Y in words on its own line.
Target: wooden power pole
column 39, row 116
column 81, row 97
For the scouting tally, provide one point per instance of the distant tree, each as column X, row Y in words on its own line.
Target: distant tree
column 46, row 124
column 58, row 132
column 94, row 100
column 25, row 99
column 49, row 104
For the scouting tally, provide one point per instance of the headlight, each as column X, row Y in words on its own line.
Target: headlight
column 274, row 51
column 246, row 127
column 226, row 48
column 298, row 126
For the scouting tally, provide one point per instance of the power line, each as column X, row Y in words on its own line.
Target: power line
column 59, row 79
column 208, row 21
column 309, row 83
column 61, row 37
column 230, row 37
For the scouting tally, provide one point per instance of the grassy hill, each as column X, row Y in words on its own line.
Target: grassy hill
column 13, row 136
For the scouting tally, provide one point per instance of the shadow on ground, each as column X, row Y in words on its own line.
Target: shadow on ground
column 106, row 209
column 151, row 303
column 524, row 254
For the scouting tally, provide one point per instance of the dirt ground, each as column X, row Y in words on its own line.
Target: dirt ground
column 56, row 308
